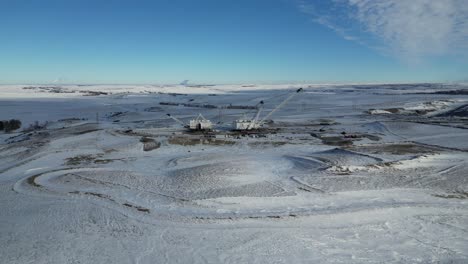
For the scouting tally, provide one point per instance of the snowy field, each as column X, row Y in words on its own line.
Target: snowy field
column 341, row 174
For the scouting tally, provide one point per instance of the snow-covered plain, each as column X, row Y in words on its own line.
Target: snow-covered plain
column 340, row 176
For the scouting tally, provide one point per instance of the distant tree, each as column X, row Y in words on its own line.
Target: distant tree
column 35, row 126
column 12, row 124
column 15, row 124
column 2, row 127
column 6, row 126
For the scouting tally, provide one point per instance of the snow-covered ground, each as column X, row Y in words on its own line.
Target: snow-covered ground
column 339, row 176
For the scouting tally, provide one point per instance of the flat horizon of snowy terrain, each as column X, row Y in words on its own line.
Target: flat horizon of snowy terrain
column 74, row 90
column 348, row 173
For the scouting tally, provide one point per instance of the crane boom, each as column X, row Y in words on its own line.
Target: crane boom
column 257, row 115
column 280, row 105
column 177, row 120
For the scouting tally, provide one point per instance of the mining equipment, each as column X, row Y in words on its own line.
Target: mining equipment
column 256, row 123
column 198, row 124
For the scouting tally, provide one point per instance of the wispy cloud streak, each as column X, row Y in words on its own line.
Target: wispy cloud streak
column 410, row 29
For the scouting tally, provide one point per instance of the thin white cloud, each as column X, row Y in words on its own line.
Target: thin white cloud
column 411, row 29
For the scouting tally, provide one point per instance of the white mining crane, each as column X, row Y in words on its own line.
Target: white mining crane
column 249, row 124
column 255, row 123
column 198, row 124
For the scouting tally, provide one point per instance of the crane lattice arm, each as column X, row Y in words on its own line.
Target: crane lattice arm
column 280, row 105
column 257, row 115
column 177, row 120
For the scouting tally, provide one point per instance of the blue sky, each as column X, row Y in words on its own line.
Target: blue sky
column 225, row 41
